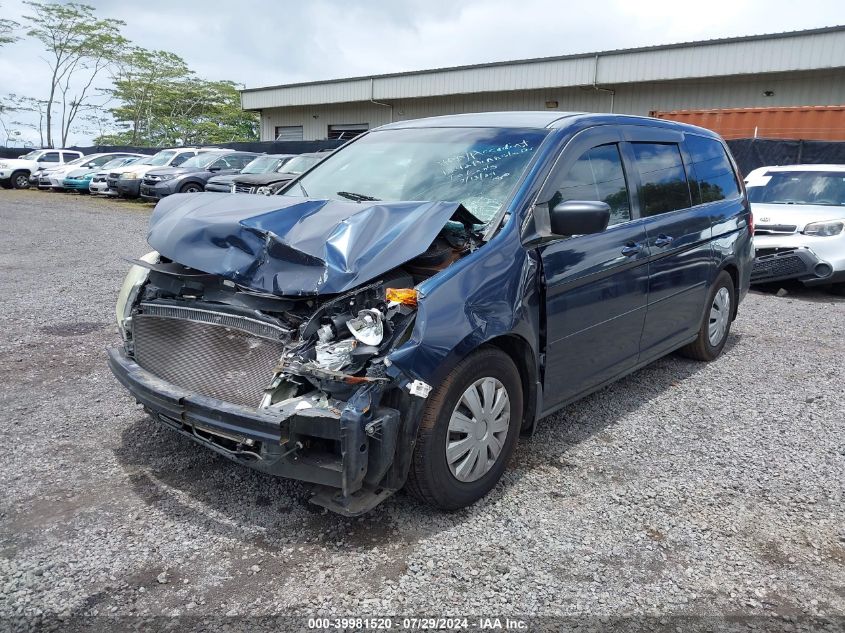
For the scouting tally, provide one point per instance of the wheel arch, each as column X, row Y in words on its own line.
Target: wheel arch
column 731, row 268
column 522, row 355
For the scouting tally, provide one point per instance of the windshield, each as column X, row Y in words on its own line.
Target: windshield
column 478, row 167
column 201, row 161
column 264, row 165
column 30, row 156
column 298, row 164
column 77, row 161
column 118, row 162
column 162, row 158
column 799, row 187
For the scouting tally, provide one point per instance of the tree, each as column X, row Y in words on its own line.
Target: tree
column 12, row 104
column 7, row 31
column 177, row 109
column 79, row 47
column 141, row 79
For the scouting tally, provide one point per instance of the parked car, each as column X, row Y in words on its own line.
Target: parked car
column 800, row 211
column 263, row 164
column 99, row 184
column 192, row 175
column 16, row 172
column 400, row 313
column 126, row 181
column 80, row 179
column 271, row 182
column 52, row 178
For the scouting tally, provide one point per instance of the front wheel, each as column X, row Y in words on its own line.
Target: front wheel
column 191, row 187
column 468, row 431
column 716, row 324
column 20, row 180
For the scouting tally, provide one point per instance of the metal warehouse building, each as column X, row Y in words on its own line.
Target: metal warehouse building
column 800, row 68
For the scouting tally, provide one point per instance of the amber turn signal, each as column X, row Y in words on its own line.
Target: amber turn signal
column 405, row 296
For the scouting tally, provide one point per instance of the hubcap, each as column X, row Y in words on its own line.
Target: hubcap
column 21, row 181
column 478, row 429
column 720, row 315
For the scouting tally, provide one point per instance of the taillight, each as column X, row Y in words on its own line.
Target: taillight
column 751, row 221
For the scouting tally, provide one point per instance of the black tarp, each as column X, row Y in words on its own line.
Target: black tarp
column 751, row 153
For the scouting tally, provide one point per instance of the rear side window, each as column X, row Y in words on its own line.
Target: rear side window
column 714, row 177
column 664, row 181
column 181, row 158
column 49, row 157
column 597, row 175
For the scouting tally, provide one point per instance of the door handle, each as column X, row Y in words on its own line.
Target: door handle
column 631, row 249
column 663, row 240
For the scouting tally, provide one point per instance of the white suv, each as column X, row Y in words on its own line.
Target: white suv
column 16, row 172
column 799, row 224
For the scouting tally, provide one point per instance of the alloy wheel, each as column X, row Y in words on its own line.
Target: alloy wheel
column 478, row 429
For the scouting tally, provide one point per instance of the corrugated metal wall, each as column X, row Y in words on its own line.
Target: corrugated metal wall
column 787, row 52
column 825, row 123
column 789, row 89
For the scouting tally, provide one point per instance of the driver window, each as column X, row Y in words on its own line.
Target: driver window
column 597, row 175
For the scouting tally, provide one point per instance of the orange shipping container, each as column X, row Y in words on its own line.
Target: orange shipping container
column 816, row 123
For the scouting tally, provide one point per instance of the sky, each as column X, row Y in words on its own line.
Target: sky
column 257, row 43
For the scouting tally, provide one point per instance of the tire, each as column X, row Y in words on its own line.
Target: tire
column 20, row 180
column 431, row 479
column 190, row 187
column 716, row 321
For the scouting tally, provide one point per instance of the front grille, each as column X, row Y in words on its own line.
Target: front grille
column 216, row 354
column 779, row 266
column 774, row 229
column 238, row 188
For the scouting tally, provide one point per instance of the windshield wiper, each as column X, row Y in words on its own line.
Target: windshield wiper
column 357, row 197
column 304, row 193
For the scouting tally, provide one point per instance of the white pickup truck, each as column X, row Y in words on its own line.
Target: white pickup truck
column 15, row 172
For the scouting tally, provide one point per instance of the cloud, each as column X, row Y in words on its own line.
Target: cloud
column 259, row 43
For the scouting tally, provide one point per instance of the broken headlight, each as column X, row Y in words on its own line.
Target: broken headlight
column 335, row 356
column 135, row 278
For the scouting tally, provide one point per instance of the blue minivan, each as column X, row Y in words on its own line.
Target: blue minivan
column 400, row 314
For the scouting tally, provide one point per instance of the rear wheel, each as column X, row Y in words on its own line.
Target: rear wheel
column 468, row 431
column 20, row 180
column 716, row 324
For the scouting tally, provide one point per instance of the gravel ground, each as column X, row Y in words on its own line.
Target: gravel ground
column 684, row 489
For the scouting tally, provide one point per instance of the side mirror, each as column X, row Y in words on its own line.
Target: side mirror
column 579, row 217
column 214, row 168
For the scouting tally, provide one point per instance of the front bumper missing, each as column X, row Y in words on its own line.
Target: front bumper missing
column 779, row 264
column 345, row 450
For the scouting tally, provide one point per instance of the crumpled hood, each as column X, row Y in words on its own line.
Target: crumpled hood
column 295, row 246
column 794, row 214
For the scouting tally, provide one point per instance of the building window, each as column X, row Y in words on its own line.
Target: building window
column 345, row 132
column 288, row 132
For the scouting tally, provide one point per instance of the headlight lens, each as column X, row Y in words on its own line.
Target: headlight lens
column 130, row 175
column 135, row 278
column 4, row 165
column 335, row 356
column 264, row 191
column 824, row 229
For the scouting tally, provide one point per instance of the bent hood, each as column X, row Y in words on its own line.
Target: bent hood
column 296, row 246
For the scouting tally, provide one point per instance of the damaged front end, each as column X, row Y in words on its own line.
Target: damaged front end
column 295, row 384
